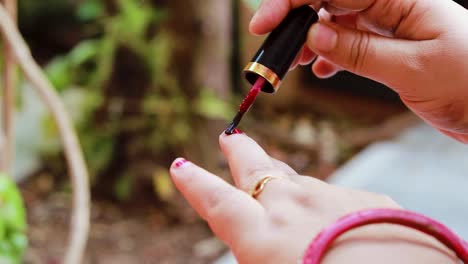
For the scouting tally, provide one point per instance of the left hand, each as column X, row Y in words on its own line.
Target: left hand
column 278, row 225
column 321, row 67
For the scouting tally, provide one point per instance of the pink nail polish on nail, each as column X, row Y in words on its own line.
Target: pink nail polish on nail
column 181, row 163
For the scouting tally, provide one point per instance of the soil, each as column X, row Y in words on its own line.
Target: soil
column 120, row 234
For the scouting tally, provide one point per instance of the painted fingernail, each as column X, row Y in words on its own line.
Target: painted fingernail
column 181, row 163
column 237, row 131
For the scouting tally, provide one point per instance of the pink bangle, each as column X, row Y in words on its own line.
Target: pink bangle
column 317, row 249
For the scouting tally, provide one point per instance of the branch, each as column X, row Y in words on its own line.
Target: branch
column 9, row 77
column 78, row 171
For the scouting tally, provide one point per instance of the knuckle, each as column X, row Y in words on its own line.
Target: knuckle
column 260, row 170
column 254, row 174
column 278, row 218
column 305, row 200
column 216, row 203
column 360, row 50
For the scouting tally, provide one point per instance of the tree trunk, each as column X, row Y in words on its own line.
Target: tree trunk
column 204, row 63
column 212, row 68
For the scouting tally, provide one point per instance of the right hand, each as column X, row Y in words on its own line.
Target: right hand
column 419, row 48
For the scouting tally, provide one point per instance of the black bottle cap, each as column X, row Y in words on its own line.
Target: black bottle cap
column 276, row 55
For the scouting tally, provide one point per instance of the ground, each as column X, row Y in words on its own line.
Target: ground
column 120, row 234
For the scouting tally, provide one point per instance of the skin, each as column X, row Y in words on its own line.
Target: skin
column 416, row 47
column 278, row 225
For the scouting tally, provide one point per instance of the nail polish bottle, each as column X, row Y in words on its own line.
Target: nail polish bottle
column 274, row 58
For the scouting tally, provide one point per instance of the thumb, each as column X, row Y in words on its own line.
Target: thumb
column 386, row 60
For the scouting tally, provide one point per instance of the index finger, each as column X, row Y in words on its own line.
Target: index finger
column 272, row 12
column 248, row 162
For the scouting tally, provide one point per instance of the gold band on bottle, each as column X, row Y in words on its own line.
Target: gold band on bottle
column 269, row 75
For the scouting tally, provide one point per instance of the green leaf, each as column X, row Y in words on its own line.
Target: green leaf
column 62, row 71
column 19, row 241
column 105, row 61
column 160, row 55
column 83, row 52
column 7, row 253
column 162, row 184
column 13, row 240
column 180, row 131
column 210, row 106
column 134, row 18
column 90, row 10
column 123, row 187
column 59, row 73
column 12, row 209
column 98, row 149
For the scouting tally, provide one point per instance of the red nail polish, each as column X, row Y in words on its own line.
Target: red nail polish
column 237, row 131
column 181, row 163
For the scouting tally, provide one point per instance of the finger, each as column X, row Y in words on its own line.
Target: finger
column 218, row 202
column 349, row 21
column 312, row 184
column 248, row 162
column 463, row 138
column 352, row 5
column 296, row 61
column 283, row 167
column 324, row 69
column 272, row 12
column 336, row 10
column 390, row 61
column 307, row 56
column 324, row 15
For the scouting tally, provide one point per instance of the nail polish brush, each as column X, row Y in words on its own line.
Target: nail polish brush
column 273, row 60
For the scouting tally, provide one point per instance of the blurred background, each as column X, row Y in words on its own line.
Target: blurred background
column 148, row 81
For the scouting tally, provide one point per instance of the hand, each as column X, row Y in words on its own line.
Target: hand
column 416, row 47
column 278, row 225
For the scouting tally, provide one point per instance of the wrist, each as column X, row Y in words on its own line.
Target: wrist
column 386, row 243
column 408, row 246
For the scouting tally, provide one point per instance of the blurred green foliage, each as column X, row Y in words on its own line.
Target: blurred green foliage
column 163, row 113
column 13, row 239
column 253, row 4
column 29, row 8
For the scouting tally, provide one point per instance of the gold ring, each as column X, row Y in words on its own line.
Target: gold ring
column 258, row 189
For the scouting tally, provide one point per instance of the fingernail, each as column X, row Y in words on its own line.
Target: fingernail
column 323, row 38
column 237, row 131
column 254, row 18
column 180, row 163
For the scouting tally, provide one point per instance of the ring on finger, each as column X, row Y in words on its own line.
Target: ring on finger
column 260, row 186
